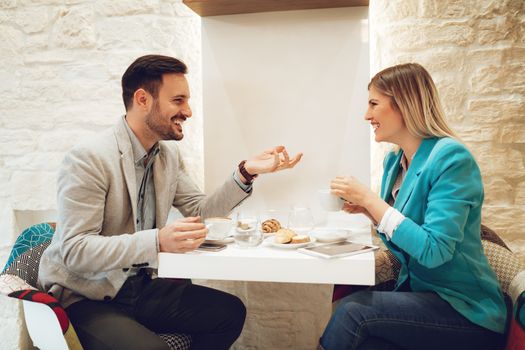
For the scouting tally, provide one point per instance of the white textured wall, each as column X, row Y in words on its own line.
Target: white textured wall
column 60, row 67
column 265, row 85
column 475, row 50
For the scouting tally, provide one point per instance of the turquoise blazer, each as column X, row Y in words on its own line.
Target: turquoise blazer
column 439, row 244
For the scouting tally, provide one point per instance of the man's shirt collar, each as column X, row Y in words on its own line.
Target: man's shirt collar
column 139, row 153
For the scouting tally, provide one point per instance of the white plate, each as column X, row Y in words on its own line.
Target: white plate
column 329, row 235
column 226, row 240
column 271, row 240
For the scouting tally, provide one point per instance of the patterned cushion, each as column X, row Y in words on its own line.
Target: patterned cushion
column 503, row 262
column 24, row 259
column 387, row 269
column 177, row 341
column 387, row 266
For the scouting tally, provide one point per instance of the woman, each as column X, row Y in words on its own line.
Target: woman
column 429, row 216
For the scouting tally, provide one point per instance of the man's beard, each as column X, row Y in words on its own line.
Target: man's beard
column 161, row 126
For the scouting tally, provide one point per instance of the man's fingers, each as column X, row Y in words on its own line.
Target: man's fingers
column 272, row 150
column 286, row 157
column 190, row 235
column 190, row 219
column 288, row 164
column 295, row 160
column 177, row 241
column 187, row 226
column 187, row 245
column 276, row 161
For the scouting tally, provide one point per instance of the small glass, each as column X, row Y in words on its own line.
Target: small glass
column 246, row 232
column 301, row 221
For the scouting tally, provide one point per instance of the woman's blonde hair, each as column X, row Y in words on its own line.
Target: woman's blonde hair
column 413, row 92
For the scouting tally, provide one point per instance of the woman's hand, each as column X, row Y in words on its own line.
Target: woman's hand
column 359, row 197
column 351, row 190
column 357, row 209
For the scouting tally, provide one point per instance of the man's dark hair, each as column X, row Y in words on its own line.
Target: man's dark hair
column 146, row 73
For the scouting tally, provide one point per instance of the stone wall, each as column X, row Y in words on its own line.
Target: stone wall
column 475, row 50
column 61, row 64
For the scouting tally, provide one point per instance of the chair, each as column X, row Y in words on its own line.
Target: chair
column 47, row 322
column 510, row 272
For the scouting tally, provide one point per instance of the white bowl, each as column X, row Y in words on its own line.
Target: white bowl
column 329, row 235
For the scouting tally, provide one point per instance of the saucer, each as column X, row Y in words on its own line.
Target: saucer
column 329, row 235
column 225, row 240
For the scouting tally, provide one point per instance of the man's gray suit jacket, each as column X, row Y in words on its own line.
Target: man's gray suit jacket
column 96, row 245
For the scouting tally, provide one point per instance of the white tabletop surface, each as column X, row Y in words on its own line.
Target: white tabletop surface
column 266, row 263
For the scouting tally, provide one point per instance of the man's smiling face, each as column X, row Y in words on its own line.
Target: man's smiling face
column 171, row 108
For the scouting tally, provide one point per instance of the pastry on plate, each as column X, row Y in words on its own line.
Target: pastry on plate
column 284, row 236
column 271, row 226
column 300, row 239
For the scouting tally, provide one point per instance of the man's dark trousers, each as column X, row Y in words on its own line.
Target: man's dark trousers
column 145, row 307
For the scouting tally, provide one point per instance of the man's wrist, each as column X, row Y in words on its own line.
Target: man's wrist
column 249, row 169
column 245, row 175
column 241, row 182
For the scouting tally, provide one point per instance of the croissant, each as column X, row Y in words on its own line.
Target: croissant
column 270, row 226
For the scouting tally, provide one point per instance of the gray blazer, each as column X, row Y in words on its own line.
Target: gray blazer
column 96, row 245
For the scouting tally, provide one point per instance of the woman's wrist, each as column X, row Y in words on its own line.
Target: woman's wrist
column 370, row 200
column 376, row 207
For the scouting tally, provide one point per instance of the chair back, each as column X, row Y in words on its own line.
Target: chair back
column 24, row 260
column 19, row 279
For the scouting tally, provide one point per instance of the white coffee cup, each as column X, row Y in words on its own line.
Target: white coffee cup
column 218, row 228
column 328, row 201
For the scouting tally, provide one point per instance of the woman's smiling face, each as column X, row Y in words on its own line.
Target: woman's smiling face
column 386, row 120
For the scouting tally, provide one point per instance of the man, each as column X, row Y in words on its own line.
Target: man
column 114, row 195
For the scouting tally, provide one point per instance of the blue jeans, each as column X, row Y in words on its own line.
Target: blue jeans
column 403, row 320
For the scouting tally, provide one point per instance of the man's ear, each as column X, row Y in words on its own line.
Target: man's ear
column 141, row 99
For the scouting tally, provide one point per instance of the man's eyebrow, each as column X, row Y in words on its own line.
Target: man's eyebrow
column 180, row 96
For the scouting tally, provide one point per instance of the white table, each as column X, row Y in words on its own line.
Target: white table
column 269, row 264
